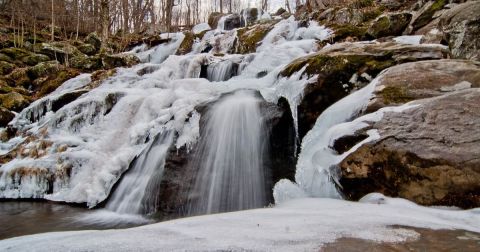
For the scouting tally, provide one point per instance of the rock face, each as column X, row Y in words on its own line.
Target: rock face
column 429, row 154
column 249, row 16
column 461, row 28
column 392, row 24
column 424, row 79
column 342, row 66
column 232, row 21
column 425, row 15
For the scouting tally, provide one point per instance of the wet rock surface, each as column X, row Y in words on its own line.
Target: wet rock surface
column 428, row 154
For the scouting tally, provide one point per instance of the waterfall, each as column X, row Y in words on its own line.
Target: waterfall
column 134, row 194
column 230, row 157
column 221, row 71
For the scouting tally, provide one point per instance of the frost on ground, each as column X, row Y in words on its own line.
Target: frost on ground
column 298, row 225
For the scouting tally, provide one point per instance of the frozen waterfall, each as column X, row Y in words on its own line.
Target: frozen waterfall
column 134, row 192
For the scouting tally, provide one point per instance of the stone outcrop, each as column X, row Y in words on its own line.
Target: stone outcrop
column 391, row 24
column 429, row 154
column 423, row 79
column 342, row 66
column 461, row 28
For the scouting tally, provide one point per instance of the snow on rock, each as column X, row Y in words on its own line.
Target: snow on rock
column 199, row 28
column 298, row 225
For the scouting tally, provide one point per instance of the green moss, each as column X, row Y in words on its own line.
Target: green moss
column 187, row 43
column 43, row 69
column 344, row 31
column 248, row 38
column 427, row 15
column 34, row 59
column 395, row 95
column 371, row 14
column 53, row 82
column 5, row 68
column 15, row 53
column 14, row 101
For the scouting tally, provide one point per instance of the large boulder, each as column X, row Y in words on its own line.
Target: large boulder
column 343, row 67
column 391, row 24
column 232, row 21
column 119, row 60
column 60, row 51
column 423, row 79
column 34, row 59
column 428, row 153
column 43, row 69
column 461, row 28
column 86, row 63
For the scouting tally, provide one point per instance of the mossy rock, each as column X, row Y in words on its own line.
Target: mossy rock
column 87, row 49
column 15, row 53
column 60, row 51
column 19, row 77
column 43, row 69
column 333, row 82
column 391, row 24
column 14, row 101
column 94, row 40
column 4, row 57
column 35, row 58
column 342, row 32
column 425, row 14
column 6, row 68
column 86, row 63
column 248, row 38
column 187, row 43
column 56, row 80
column 6, row 116
column 119, row 60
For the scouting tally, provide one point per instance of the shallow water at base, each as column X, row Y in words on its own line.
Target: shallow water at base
column 25, row 218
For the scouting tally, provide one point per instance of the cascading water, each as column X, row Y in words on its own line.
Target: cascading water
column 221, row 71
column 230, row 157
column 133, row 195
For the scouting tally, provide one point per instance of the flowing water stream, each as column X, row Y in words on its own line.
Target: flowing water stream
column 230, row 157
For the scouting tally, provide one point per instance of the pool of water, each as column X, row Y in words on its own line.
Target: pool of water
column 24, row 218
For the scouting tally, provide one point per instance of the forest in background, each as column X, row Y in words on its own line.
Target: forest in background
column 72, row 19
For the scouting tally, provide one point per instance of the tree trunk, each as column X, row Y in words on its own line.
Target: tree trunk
column 105, row 18
column 53, row 23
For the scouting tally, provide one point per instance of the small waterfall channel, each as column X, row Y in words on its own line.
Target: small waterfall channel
column 134, row 192
column 230, row 157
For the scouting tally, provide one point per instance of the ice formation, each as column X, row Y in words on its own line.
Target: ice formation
column 77, row 152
